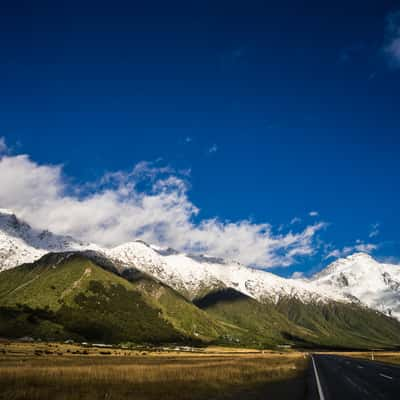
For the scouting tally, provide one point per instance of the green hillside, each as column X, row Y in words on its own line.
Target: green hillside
column 344, row 325
column 182, row 313
column 70, row 296
column 261, row 324
column 334, row 325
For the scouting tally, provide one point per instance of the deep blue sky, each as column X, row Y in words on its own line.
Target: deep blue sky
column 298, row 98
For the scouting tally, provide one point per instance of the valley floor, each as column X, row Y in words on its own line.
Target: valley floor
column 65, row 371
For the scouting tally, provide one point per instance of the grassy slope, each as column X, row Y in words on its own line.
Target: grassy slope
column 343, row 325
column 180, row 312
column 75, row 296
column 261, row 324
column 314, row 324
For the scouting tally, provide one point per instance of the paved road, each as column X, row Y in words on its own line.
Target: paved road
column 343, row 378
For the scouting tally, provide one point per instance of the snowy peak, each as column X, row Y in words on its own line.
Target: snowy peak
column 362, row 278
column 354, row 261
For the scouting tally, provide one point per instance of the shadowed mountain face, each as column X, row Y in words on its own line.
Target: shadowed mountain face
column 221, row 296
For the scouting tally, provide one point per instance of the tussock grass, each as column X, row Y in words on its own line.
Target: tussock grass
column 132, row 375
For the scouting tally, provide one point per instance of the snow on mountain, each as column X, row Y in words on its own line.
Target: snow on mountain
column 193, row 275
column 20, row 243
column 361, row 278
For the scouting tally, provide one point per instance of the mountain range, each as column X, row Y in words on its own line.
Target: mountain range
column 58, row 287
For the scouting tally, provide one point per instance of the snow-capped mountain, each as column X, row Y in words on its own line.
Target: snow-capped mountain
column 20, row 243
column 193, row 275
column 357, row 278
column 361, row 278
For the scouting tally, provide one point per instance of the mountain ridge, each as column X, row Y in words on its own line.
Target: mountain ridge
column 193, row 276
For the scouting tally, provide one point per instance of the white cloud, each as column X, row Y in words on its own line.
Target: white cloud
column 213, row 149
column 149, row 203
column 347, row 250
column 374, row 230
column 3, row 145
column 313, row 213
column 295, row 220
column 392, row 39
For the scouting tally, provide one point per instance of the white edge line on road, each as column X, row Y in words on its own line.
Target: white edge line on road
column 320, row 392
column 386, row 376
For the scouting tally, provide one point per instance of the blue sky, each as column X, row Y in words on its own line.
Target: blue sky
column 277, row 111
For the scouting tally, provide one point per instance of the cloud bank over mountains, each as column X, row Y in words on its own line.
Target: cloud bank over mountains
column 149, row 203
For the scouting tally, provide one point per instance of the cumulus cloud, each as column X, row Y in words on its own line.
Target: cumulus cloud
column 392, row 39
column 347, row 250
column 313, row 213
column 149, row 203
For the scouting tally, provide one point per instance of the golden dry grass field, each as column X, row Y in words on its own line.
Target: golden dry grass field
column 41, row 371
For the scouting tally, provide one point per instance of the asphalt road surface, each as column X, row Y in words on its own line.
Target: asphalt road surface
column 343, row 378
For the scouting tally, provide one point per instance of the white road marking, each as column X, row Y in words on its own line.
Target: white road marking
column 359, row 366
column 320, row 392
column 386, row 376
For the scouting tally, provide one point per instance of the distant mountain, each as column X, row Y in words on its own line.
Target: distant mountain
column 362, row 279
